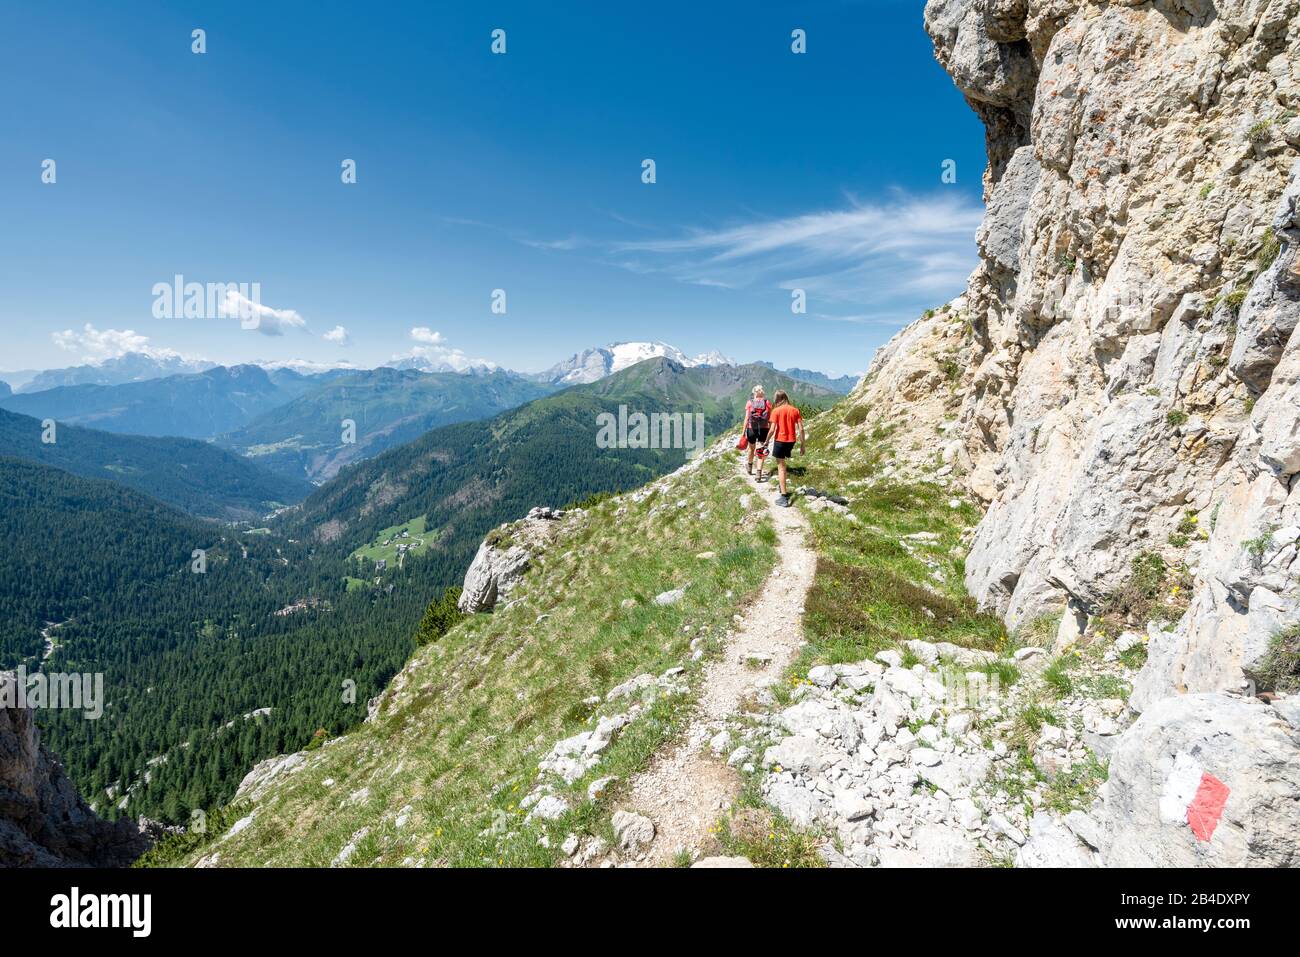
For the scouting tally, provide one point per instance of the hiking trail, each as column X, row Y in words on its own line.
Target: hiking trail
column 687, row 787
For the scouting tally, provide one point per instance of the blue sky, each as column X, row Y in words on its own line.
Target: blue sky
column 478, row 171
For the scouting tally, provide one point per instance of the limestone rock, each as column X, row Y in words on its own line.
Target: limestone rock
column 670, row 597
column 1205, row 780
column 503, row 558
column 632, row 831
column 491, row 575
column 43, row 820
column 1052, row 844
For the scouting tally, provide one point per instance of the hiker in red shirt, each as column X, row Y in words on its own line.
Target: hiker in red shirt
column 757, row 410
column 787, row 423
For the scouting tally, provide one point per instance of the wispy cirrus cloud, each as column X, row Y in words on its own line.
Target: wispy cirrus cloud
column 908, row 249
column 878, row 263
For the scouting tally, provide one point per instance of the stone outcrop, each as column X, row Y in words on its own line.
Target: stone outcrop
column 503, row 557
column 43, row 820
column 1129, row 365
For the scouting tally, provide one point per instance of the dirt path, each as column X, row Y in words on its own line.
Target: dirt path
column 686, row 787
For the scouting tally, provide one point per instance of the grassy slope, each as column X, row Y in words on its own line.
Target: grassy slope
column 875, row 588
column 465, row 725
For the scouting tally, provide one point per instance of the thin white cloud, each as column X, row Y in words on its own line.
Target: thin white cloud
column 254, row 315
column 909, row 248
column 338, row 335
column 97, row 345
column 572, row 242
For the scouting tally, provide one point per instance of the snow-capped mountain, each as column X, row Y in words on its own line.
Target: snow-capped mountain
column 444, row 363
column 593, row 364
column 130, row 367
column 303, row 366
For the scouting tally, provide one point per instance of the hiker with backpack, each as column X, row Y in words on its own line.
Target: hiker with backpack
column 757, row 412
column 786, row 423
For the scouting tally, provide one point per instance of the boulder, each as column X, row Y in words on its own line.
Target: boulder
column 1205, row 780
column 632, row 831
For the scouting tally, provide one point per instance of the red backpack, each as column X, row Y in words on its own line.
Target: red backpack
column 759, row 415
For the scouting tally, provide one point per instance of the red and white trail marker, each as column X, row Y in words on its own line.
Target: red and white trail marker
column 1193, row 796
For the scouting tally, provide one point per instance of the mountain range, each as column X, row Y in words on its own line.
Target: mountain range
column 197, row 406
column 130, row 367
column 842, row 385
column 304, row 436
column 460, row 480
column 293, row 417
column 597, row 363
column 196, row 477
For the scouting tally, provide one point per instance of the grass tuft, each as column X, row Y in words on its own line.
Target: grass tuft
column 1280, row 668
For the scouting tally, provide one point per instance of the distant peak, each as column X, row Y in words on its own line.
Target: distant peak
column 596, row 363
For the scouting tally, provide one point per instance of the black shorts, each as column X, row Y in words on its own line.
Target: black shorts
column 756, row 437
column 782, row 450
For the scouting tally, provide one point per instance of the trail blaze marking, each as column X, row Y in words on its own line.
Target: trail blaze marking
column 1193, row 795
column 1206, row 808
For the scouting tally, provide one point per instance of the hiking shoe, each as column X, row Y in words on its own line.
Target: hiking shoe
column 783, row 501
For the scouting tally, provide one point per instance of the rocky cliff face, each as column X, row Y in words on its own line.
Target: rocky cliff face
column 43, row 820
column 1124, row 367
column 1138, row 283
